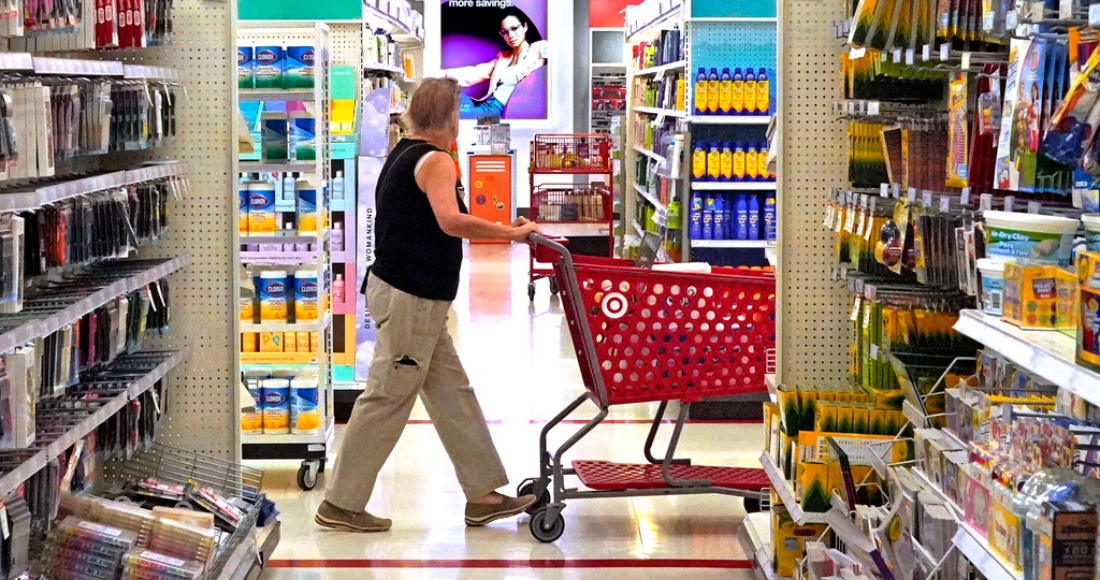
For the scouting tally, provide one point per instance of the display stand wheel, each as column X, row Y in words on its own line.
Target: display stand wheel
column 528, row 488
column 531, row 291
column 553, row 286
column 307, row 475
column 752, row 504
column 544, row 531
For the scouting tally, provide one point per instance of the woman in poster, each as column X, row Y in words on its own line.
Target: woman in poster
column 526, row 52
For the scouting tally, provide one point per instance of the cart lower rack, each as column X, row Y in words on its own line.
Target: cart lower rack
column 653, row 336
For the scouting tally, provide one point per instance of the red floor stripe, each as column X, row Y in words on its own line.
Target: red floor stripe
column 525, row 564
column 605, row 422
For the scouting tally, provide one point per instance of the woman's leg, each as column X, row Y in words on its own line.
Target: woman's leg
column 407, row 328
column 458, row 419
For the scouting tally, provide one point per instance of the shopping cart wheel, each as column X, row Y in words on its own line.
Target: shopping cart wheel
column 553, row 286
column 307, row 476
column 531, row 291
column 752, row 504
column 528, row 488
column 546, row 531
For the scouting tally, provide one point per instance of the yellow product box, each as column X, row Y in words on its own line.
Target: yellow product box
column 290, row 342
column 302, row 341
column 1067, row 306
column 812, row 486
column 861, row 420
column 789, row 540
column 790, row 410
column 1031, row 296
column 314, row 342
column 1004, row 529
column 271, row 342
column 1088, row 321
column 250, row 342
column 877, row 420
column 813, row 446
column 825, row 418
column 889, row 399
column 771, row 429
column 844, row 418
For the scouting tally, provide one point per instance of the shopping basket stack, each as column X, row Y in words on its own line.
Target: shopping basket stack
column 654, row 336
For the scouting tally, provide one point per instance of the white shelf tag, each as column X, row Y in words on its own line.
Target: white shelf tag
column 910, row 56
column 966, row 60
column 873, row 108
column 945, row 51
column 964, row 198
column 945, row 204
column 1033, row 207
column 1010, row 203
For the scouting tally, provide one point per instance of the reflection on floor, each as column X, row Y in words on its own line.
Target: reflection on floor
column 519, row 358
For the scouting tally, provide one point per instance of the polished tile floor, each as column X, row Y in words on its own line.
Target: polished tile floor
column 519, row 358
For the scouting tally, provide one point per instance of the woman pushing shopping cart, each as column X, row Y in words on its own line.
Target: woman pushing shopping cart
column 642, row 336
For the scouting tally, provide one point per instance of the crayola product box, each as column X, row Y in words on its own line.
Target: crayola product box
column 789, row 540
column 246, row 67
column 1031, row 296
column 271, row 342
column 826, row 417
column 1004, row 530
column 861, row 420
column 1088, row 303
column 270, row 61
column 812, row 486
column 844, row 418
column 299, row 73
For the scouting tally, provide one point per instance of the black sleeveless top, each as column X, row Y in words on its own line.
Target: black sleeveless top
column 412, row 253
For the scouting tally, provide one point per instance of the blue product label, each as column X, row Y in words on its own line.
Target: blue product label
column 306, row 289
column 696, row 229
column 244, row 56
column 276, row 398
column 260, row 200
column 257, row 398
column 696, row 202
column 272, row 288
column 307, row 200
column 720, row 226
column 754, row 226
column 1092, row 241
column 708, row 225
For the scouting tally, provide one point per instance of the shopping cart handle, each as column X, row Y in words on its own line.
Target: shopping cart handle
column 548, row 249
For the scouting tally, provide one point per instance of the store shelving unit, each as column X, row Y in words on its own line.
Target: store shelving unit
column 313, row 448
column 755, row 536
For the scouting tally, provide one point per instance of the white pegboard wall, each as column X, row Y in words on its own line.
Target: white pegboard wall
column 347, row 44
column 815, row 333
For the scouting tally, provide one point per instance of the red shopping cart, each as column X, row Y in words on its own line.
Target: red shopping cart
column 653, row 336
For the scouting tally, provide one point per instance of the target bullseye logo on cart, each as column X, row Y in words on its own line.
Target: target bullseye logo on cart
column 614, row 305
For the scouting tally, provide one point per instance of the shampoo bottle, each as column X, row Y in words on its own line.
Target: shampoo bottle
column 338, row 187
column 725, row 92
column 762, row 92
column 289, row 180
column 701, row 92
column 738, row 161
column 699, row 162
column 754, row 217
column 338, row 288
column 750, row 92
column 742, row 218
column 769, row 216
column 338, row 237
column 738, row 99
column 714, row 162
column 727, row 162
column 713, row 91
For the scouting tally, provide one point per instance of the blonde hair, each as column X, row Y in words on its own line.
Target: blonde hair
column 433, row 106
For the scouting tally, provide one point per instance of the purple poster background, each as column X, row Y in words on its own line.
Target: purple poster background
column 470, row 34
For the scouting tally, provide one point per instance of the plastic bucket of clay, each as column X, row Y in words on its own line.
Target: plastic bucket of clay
column 993, row 285
column 1025, row 236
column 1092, row 231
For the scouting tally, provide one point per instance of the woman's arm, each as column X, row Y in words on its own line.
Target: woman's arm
column 472, row 75
column 437, row 178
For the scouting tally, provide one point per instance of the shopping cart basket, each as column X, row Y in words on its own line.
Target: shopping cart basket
column 653, row 336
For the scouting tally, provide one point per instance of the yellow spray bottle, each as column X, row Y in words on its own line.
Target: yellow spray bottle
column 738, row 101
column 699, row 162
column 750, row 91
column 713, row 91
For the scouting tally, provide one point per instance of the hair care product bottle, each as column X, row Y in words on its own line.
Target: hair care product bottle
column 714, row 162
column 720, row 225
column 701, row 92
column 288, row 187
column 770, row 226
column 337, row 237
column 713, row 91
column 754, row 217
column 695, row 217
column 338, row 288
column 699, row 162
column 750, row 92
column 738, row 161
column 738, row 97
column 725, row 92
column 727, row 162
column 762, row 161
column 338, row 187
column 742, row 217
column 762, row 92
column 752, row 164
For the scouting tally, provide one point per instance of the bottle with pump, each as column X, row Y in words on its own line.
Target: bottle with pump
column 727, row 162
column 714, row 162
column 338, row 288
column 738, row 161
column 754, row 217
column 752, row 164
column 742, row 218
column 762, row 92
column 769, row 216
column 725, row 92
column 699, row 162
column 737, row 101
column 338, row 187
column 713, row 91
column 750, row 92
column 701, row 92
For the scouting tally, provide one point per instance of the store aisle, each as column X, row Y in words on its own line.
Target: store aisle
column 519, row 359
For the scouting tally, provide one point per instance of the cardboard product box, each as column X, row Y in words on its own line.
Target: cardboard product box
column 1068, row 552
column 789, row 540
column 976, row 504
column 1088, row 320
column 250, row 342
column 772, row 427
column 1031, row 296
column 1004, row 529
column 271, row 342
column 814, row 486
column 302, row 341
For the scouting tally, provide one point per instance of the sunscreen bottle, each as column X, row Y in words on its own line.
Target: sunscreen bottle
column 713, row 91
column 762, row 92
column 725, row 92
column 701, row 92
column 738, row 100
column 699, row 162
column 750, row 92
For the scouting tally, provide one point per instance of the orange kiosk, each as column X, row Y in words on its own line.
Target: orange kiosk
column 492, row 191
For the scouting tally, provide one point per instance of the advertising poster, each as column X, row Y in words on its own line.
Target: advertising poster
column 499, row 52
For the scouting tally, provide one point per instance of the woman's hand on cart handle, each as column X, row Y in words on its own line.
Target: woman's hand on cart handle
column 522, row 228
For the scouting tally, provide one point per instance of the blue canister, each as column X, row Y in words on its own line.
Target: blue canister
column 305, row 410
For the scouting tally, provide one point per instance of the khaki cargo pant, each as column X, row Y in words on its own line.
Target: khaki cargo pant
column 413, row 355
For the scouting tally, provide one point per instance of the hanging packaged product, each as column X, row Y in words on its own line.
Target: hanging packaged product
column 303, row 137
column 957, row 133
column 300, row 72
column 246, row 68
column 270, row 64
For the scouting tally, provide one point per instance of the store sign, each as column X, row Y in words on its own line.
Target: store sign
column 499, row 52
column 369, row 169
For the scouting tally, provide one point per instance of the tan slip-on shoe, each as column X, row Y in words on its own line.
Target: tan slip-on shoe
column 336, row 518
column 480, row 514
